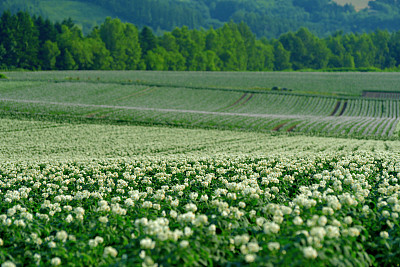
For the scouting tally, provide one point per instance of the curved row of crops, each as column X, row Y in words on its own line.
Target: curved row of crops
column 202, row 107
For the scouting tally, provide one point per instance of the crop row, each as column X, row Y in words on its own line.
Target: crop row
column 203, row 108
column 331, row 125
column 42, row 140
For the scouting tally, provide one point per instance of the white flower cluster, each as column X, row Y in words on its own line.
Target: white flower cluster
column 251, row 205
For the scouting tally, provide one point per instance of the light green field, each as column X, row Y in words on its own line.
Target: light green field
column 86, row 15
column 209, row 100
column 358, row 4
column 333, row 84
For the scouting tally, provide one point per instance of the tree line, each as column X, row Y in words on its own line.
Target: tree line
column 30, row 42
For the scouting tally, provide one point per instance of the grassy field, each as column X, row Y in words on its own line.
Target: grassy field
column 84, row 183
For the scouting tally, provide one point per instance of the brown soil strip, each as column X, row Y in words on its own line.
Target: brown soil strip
column 147, row 90
column 276, row 128
column 291, row 128
column 336, row 108
column 343, row 109
column 237, row 101
column 382, row 94
column 234, row 104
column 247, row 100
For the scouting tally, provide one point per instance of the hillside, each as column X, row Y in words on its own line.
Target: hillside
column 266, row 18
column 222, row 102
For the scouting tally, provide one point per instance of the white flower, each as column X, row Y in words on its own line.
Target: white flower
column 250, row 258
column 385, row 213
column 322, row 221
column 173, row 214
column 69, row 218
column 79, row 211
column 37, row 258
column 212, row 228
column 241, row 239
column 142, row 254
column 253, row 247
column 52, row 244
column 92, row 243
column 62, row 236
column 147, row 243
column 318, row 232
column 175, row 203
column 148, row 262
column 204, row 198
column 110, row 251
column 193, row 195
column 332, row 231
column 348, row 220
column 252, row 213
column 56, row 261
column 298, row 220
column 201, row 219
column 242, row 204
column 310, row 253
column 8, row 264
column 129, row 202
column 191, row 207
column 184, row 244
column 271, row 228
column 188, row 231
column 1, row 242
column 103, row 219
column 384, row 235
column 273, row 246
column 354, row 231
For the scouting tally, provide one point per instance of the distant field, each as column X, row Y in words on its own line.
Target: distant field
column 347, row 84
column 86, row 15
column 358, row 4
column 181, row 99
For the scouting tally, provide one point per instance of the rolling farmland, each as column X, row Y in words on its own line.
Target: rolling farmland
column 180, row 99
column 207, row 196
column 94, row 172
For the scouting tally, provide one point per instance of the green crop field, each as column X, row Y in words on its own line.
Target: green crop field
column 94, row 172
column 243, row 101
column 334, row 84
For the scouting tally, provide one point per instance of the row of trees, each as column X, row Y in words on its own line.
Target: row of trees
column 34, row 43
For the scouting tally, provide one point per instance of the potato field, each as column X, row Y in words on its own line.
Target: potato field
column 122, row 170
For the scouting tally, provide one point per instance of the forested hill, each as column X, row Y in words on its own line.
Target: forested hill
column 266, row 18
column 34, row 43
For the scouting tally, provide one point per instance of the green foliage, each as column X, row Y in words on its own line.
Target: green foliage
column 233, row 47
column 2, row 76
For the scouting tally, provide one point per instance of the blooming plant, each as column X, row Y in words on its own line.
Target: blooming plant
column 330, row 209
